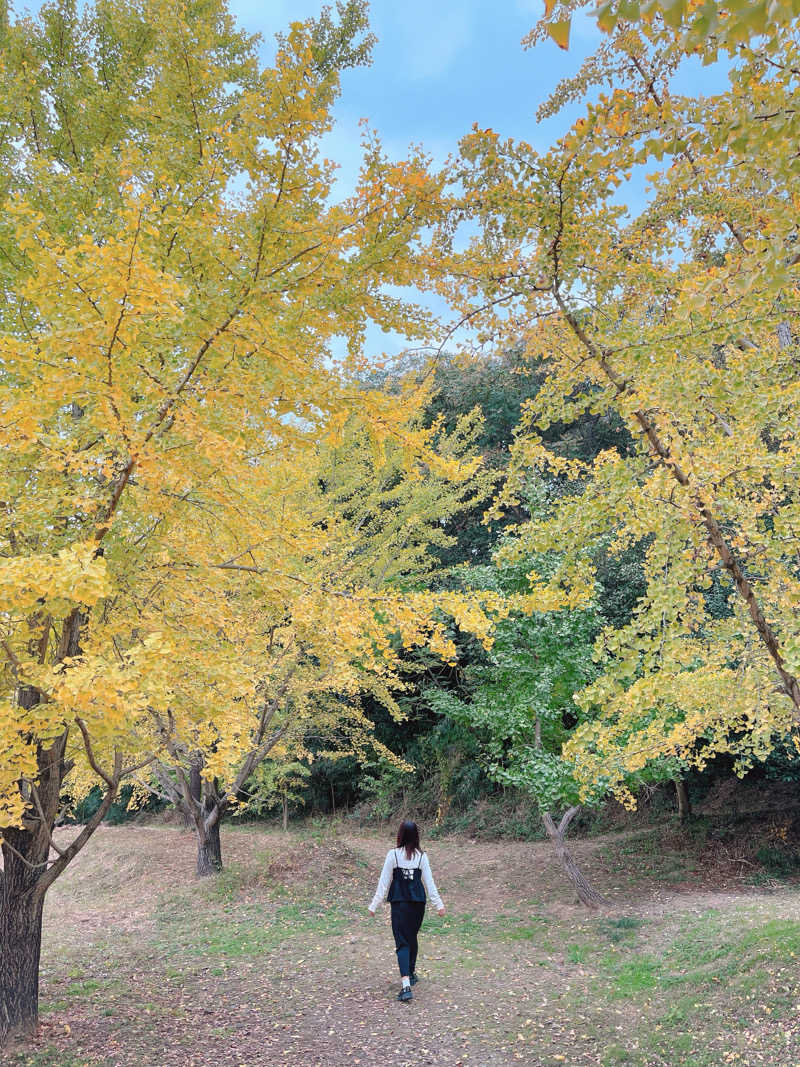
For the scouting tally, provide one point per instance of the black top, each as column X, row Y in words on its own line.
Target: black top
column 407, row 884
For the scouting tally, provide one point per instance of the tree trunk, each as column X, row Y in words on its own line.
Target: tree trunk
column 587, row 894
column 206, row 815
column 285, row 814
column 28, row 872
column 684, row 803
column 21, row 941
column 209, row 851
column 28, row 869
column 22, row 888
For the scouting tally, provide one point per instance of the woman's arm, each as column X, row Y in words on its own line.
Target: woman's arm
column 383, row 882
column 430, row 885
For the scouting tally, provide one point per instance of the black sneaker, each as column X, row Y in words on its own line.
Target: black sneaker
column 405, row 993
column 414, row 979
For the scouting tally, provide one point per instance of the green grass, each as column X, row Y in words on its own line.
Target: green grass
column 524, row 932
column 621, row 929
column 722, row 983
column 644, row 858
column 472, row 930
column 248, row 931
column 711, row 948
column 82, row 989
column 637, row 974
column 45, row 1058
column 617, row 1054
column 577, row 953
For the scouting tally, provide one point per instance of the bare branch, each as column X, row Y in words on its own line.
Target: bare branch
column 87, row 744
column 75, row 846
column 43, row 818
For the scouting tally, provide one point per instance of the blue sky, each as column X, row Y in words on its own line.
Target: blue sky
column 438, row 67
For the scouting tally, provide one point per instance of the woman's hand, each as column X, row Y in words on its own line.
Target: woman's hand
column 441, row 910
column 372, row 913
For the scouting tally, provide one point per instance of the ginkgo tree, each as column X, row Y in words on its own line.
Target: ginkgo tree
column 680, row 317
column 304, row 629
column 179, row 284
column 709, row 27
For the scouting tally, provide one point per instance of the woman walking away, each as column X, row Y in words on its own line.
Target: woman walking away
column 405, row 876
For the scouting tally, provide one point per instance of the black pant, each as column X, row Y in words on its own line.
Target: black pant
column 407, row 916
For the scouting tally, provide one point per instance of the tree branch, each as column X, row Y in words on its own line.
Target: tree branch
column 715, row 534
column 87, row 744
column 75, row 846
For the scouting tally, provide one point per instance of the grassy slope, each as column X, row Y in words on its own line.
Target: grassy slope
column 277, row 962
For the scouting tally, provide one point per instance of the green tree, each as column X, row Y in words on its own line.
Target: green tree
column 521, row 706
column 278, row 781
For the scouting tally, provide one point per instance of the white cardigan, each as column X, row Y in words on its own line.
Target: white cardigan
column 396, row 857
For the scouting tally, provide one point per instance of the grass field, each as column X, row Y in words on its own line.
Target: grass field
column 277, row 961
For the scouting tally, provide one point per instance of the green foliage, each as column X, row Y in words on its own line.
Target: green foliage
column 273, row 783
column 782, row 764
column 447, row 777
column 383, row 784
column 344, row 40
column 120, row 811
column 502, row 814
column 779, row 860
column 520, row 704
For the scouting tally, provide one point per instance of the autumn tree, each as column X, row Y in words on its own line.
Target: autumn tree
column 306, row 629
column 680, row 317
column 179, row 285
column 710, row 28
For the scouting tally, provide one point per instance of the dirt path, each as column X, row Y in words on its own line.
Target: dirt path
column 277, row 962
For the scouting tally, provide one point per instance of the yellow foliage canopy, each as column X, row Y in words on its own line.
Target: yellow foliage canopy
column 682, row 319
column 180, row 288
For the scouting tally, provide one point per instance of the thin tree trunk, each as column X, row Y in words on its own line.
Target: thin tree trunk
column 682, row 796
column 587, row 894
column 285, row 814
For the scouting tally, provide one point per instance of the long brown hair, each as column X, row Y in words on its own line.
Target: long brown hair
column 408, row 838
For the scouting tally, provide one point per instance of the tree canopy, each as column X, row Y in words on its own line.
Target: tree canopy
column 679, row 317
column 232, row 530
column 181, row 355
